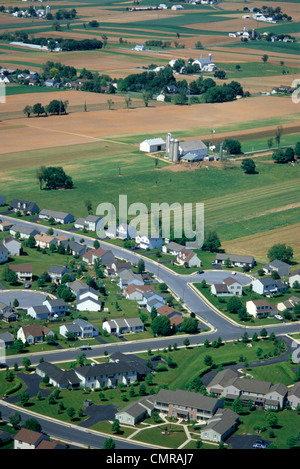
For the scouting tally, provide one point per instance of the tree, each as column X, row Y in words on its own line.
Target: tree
column 212, row 242
column 146, row 97
column 109, row 444
column 281, row 252
column 208, row 361
column 24, row 398
column 248, row 166
column 32, row 424
column 115, row 428
column 297, row 149
column 161, row 325
column 38, row 109
column 234, row 305
column 278, row 134
column 28, row 110
column 189, row 325
column 40, row 175
column 71, row 413
column 232, row 146
column 265, row 58
column 141, row 266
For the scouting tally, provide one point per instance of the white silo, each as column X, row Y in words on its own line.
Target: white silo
column 171, row 149
column 169, row 136
column 176, row 150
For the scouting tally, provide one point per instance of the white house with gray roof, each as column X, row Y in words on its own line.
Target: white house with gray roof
column 282, row 268
column 59, row 217
column 235, row 260
column 24, row 231
column 121, row 325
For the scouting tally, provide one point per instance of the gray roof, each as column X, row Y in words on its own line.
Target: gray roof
column 24, row 229
column 61, row 377
column 6, row 337
column 57, row 269
column 76, row 285
column 186, row 398
column 3, row 248
column 235, row 257
column 192, row 145
column 92, row 218
column 222, row 421
column 29, row 205
column 57, row 302
column 54, row 213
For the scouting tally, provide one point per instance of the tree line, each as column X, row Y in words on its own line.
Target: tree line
column 55, row 106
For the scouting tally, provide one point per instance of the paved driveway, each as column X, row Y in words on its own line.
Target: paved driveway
column 98, row 413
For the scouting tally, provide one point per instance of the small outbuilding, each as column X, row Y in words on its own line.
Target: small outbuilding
column 152, row 145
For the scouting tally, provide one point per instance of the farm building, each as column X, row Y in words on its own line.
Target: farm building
column 192, row 150
column 154, row 144
column 205, row 64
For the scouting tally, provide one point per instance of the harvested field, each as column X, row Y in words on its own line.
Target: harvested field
column 83, row 126
column 260, row 243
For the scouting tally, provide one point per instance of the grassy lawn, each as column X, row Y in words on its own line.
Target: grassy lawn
column 287, row 426
column 221, row 303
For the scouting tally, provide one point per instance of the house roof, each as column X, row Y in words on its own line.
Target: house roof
column 54, row 213
column 222, row 421
column 29, row 205
column 154, row 141
column 35, row 330
column 28, row 436
column 234, row 257
column 192, row 145
column 24, row 229
column 57, row 269
column 21, row 267
column 186, row 398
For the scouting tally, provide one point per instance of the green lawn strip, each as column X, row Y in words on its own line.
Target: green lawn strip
column 276, row 48
column 279, row 372
column 254, row 69
column 166, row 435
column 248, row 295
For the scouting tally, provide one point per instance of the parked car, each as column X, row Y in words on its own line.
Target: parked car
column 277, row 316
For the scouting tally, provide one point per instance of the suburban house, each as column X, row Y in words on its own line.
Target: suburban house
column 152, row 299
column 152, row 145
column 267, row 286
column 76, row 286
column 175, row 316
column 23, row 206
column 114, row 268
column 89, row 223
column 227, row 384
column 57, row 377
column 186, row 405
column 56, row 272
column 29, row 439
column 260, row 308
column 123, row 231
column 33, row 334
column 229, row 287
column 122, row 326
column 294, row 277
column 3, row 253
column 13, row 246
column 127, row 277
column 23, row 271
column 282, row 268
column 59, row 217
column 74, row 248
column 288, row 304
column 195, row 148
column 105, row 256
column 24, row 231
column 6, row 340
column 7, row 313
column 189, row 258
column 136, row 292
column 220, row 426
column 5, row 225
column 294, row 396
column 80, row 328
column 136, row 411
column 148, row 242
column 57, row 307
column 38, row 312
column 44, row 241
column 172, row 248
column 235, row 260
column 87, row 300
